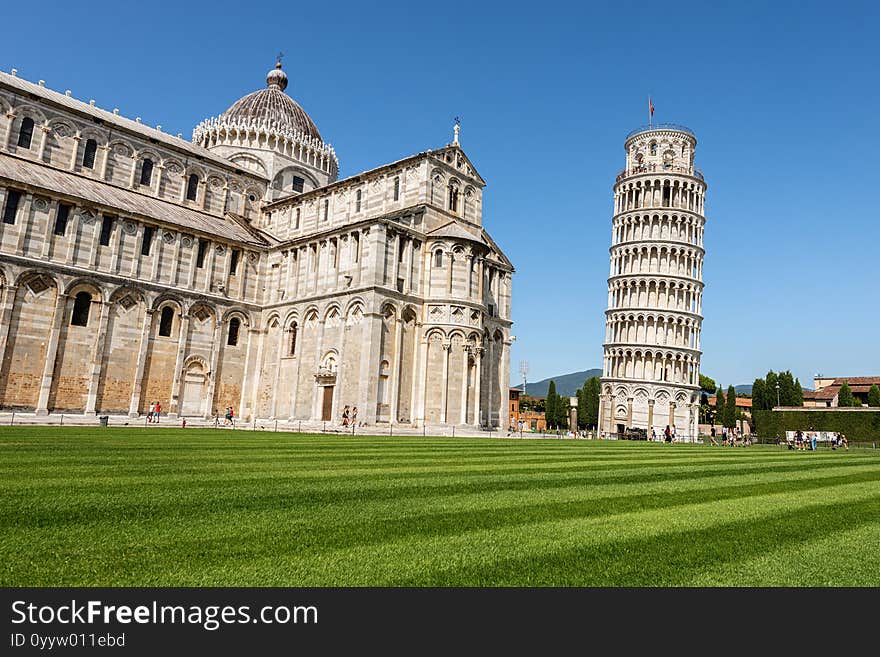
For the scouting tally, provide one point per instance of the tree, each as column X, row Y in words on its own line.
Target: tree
column 874, row 396
column 758, row 395
column 771, row 398
column 582, row 406
column 707, row 384
column 556, row 411
column 730, row 408
column 786, row 389
column 719, row 407
column 844, row 395
column 798, row 393
column 590, row 395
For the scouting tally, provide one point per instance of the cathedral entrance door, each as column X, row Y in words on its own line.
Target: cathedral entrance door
column 327, row 404
column 193, row 393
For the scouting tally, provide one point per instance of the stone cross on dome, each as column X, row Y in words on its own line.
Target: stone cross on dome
column 456, row 129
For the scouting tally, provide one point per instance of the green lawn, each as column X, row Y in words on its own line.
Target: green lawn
column 155, row 507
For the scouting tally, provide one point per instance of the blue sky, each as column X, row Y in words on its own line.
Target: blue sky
column 783, row 96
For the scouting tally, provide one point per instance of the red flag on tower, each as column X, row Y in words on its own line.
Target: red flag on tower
column 650, row 106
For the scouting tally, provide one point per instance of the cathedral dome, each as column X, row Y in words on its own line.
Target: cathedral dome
column 272, row 107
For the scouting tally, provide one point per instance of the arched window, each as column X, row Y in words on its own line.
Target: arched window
column 653, row 148
column 165, row 321
column 88, row 160
column 438, row 258
column 26, row 132
column 453, row 198
column 192, row 187
column 146, row 171
column 357, row 201
column 81, row 305
column 292, row 342
column 234, row 326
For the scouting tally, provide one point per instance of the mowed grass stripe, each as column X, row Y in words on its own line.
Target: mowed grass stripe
column 124, row 499
column 336, row 522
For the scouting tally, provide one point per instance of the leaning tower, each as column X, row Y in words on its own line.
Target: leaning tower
column 655, row 289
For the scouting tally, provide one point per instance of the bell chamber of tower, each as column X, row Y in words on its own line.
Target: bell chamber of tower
column 655, row 288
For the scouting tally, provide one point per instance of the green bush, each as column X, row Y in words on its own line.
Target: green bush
column 857, row 425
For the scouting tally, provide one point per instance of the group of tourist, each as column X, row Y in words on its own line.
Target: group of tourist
column 229, row 417
column 153, row 412
column 729, row 437
column 668, row 435
column 808, row 440
column 349, row 417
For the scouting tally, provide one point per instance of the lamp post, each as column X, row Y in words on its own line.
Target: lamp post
column 777, row 393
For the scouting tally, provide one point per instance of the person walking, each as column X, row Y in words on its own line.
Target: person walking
column 668, row 434
column 151, row 411
column 345, row 416
column 157, row 411
column 354, row 416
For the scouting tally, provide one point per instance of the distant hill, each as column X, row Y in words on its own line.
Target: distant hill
column 566, row 384
column 745, row 389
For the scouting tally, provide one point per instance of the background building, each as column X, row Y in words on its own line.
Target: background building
column 827, row 388
column 236, row 270
column 652, row 339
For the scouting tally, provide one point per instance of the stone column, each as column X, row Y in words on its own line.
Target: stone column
column 132, row 176
column 174, row 403
column 105, row 157
column 370, row 365
column 134, row 272
column 141, row 363
column 193, row 262
column 671, row 414
column 116, row 246
column 50, row 229
column 408, row 283
column 210, row 256
column 395, row 370
column 97, row 366
column 650, row 416
column 7, row 131
column 417, row 340
column 337, row 393
column 158, row 169
column 254, row 378
column 7, row 301
column 51, row 353
column 444, row 382
column 242, row 273
column 504, row 381
column 450, row 257
column 247, row 375
column 296, row 364
column 490, row 386
column 464, row 384
column 421, row 349
column 23, row 219
column 396, row 261
column 317, row 397
column 273, row 407
column 478, row 374
column 216, row 346
column 41, row 151
column 76, row 139
column 629, row 412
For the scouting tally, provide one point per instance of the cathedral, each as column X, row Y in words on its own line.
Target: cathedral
column 237, row 270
